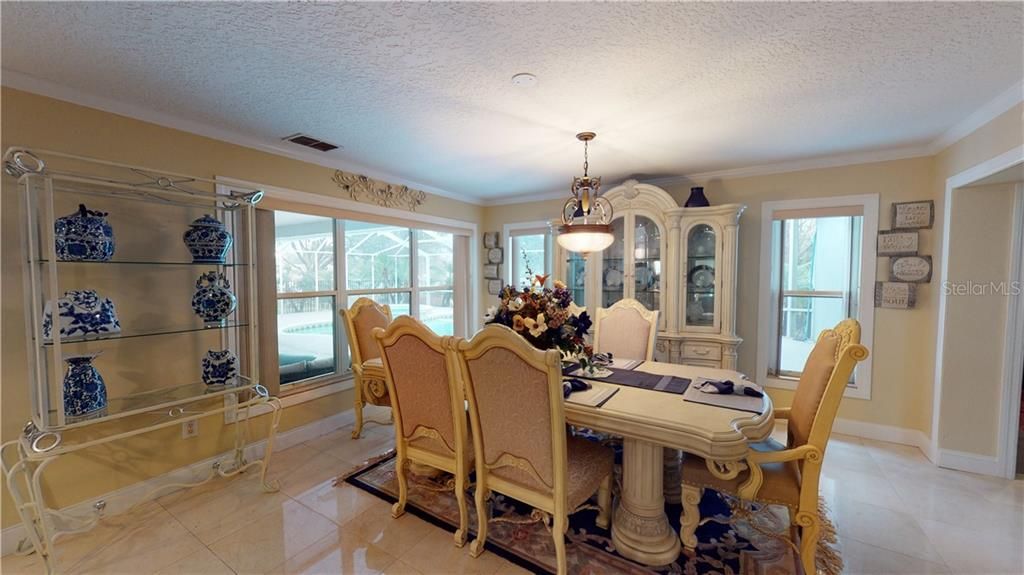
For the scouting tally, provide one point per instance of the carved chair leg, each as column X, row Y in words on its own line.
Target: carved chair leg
column 558, row 534
column 690, row 518
column 482, row 516
column 398, row 509
column 357, row 431
column 604, row 502
column 810, row 531
column 460, row 493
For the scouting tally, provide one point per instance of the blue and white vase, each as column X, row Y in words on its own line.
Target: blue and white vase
column 213, row 300
column 208, row 240
column 220, row 367
column 84, row 236
column 84, row 390
column 81, row 314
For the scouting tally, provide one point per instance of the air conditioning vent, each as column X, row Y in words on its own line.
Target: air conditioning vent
column 309, row 142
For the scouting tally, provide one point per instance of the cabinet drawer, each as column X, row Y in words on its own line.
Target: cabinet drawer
column 702, row 363
column 706, row 351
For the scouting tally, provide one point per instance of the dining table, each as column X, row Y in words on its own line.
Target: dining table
column 650, row 422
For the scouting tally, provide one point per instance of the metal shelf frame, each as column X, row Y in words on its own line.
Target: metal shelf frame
column 155, row 404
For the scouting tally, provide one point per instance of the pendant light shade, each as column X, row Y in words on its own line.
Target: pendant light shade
column 586, row 217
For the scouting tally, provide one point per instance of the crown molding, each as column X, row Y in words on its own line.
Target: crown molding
column 994, row 108
column 27, row 83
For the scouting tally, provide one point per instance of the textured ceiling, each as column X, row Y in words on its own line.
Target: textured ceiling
column 423, row 91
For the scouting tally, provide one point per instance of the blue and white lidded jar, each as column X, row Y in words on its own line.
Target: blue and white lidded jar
column 220, row 367
column 84, row 390
column 213, row 300
column 208, row 240
column 81, row 313
column 84, row 236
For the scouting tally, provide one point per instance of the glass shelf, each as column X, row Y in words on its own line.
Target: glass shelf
column 129, row 335
column 146, row 263
column 155, row 400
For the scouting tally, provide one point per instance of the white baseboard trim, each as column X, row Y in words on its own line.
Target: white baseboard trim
column 124, row 498
column 889, row 433
column 970, row 462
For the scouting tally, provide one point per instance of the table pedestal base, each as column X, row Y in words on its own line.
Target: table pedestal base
column 640, row 528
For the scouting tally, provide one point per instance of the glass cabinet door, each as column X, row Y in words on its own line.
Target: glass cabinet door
column 576, row 278
column 700, row 276
column 613, row 275
column 647, row 263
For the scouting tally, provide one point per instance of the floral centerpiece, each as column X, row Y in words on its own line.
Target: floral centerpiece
column 546, row 317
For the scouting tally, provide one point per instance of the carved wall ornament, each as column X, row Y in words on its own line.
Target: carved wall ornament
column 364, row 189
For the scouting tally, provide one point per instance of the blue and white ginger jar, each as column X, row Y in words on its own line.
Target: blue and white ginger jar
column 208, row 240
column 84, row 236
column 213, row 300
column 219, row 367
column 81, row 313
column 84, row 390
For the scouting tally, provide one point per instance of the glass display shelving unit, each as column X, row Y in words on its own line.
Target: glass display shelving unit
column 152, row 368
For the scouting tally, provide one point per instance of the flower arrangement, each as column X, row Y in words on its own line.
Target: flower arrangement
column 546, row 317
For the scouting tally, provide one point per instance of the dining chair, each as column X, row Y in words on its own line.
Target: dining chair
column 429, row 408
column 367, row 370
column 788, row 474
column 519, row 434
column 627, row 330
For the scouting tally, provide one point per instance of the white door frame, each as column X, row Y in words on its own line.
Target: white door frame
column 1013, row 354
column 1010, row 411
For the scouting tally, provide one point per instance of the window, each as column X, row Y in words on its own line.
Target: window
column 307, row 325
column 818, row 270
column 529, row 252
column 324, row 264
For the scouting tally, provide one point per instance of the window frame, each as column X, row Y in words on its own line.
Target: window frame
column 540, row 227
column 769, row 298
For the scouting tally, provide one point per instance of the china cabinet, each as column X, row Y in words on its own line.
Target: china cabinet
column 680, row 261
column 122, row 339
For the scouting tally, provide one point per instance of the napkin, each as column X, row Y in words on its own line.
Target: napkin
column 572, row 384
column 728, row 387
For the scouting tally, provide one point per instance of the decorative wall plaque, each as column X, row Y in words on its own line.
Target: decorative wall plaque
column 897, row 243
column 494, row 287
column 495, row 255
column 914, row 269
column 492, row 271
column 913, row 215
column 363, row 189
column 490, row 240
column 895, row 295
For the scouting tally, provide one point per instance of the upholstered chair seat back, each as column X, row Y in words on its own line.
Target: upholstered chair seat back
column 513, row 400
column 627, row 330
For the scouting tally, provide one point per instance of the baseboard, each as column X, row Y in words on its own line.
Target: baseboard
column 888, row 433
column 970, row 462
column 122, row 499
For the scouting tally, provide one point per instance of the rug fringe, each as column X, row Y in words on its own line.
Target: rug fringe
column 827, row 559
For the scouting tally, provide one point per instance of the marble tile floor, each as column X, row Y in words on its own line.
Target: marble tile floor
column 895, row 513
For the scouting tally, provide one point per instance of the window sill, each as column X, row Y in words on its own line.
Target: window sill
column 295, row 397
column 852, row 391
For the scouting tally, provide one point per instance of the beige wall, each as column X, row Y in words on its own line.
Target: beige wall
column 38, row 122
column 972, row 358
column 904, row 370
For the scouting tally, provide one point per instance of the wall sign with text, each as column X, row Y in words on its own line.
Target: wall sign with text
column 913, row 215
column 913, row 269
column 895, row 295
column 895, row 243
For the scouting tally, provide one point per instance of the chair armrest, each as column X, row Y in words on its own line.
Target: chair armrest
column 781, row 413
column 802, row 452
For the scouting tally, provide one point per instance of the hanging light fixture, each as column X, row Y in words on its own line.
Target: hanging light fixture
column 586, row 217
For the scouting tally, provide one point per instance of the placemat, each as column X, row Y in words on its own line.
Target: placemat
column 631, row 378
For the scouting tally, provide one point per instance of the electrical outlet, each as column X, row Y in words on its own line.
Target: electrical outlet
column 190, row 429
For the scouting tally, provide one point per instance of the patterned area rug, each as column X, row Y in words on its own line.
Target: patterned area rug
column 737, row 548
